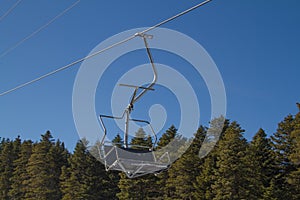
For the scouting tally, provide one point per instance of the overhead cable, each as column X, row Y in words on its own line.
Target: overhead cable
column 38, row 30
column 105, row 49
column 10, row 10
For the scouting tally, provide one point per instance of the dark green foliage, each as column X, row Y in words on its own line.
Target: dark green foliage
column 272, row 192
column 184, row 171
column 44, row 168
column 141, row 140
column 206, row 178
column 282, row 144
column 58, row 158
column 118, row 141
column 6, row 168
column 112, row 186
column 263, row 169
column 137, row 188
column 167, row 137
column 8, row 154
column 20, row 175
column 294, row 176
column 231, row 182
column 260, row 164
column 162, row 177
column 73, row 184
column 85, row 178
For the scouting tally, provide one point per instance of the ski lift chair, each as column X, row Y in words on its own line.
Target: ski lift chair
column 134, row 160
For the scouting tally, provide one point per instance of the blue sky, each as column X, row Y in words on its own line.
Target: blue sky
column 255, row 45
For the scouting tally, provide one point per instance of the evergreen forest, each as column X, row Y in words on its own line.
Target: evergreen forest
column 267, row 167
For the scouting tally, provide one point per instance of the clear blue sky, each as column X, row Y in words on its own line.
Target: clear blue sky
column 255, row 45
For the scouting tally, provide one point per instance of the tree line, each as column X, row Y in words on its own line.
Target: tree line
column 264, row 168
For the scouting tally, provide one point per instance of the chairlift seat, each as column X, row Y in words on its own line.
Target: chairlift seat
column 134, row 162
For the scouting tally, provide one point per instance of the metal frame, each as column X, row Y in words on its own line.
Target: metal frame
column 143, row 163
column 135, row 97
column 137, row 167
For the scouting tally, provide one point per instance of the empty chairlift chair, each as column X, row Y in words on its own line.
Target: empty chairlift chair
column 134, row 160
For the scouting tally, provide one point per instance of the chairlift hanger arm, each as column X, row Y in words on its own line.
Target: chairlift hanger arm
column 149, row 87
column 133, row 97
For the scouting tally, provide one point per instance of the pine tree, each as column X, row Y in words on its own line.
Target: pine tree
column 6, row 168
column 58, row 157
column 114, row 176
column 85, row 178
column 167, row 137
column 141, row 141
column 294, row 176
column 282, row 145
column 231, row 181
column 42, row 182
column 118, row 141
column 112, row 188
column 17, row 147
column 206, row 178
column 73, row 178
column 259, row 163
column 162, row 177
column 100, row 186
column 182, row 174
column 9, row 153
column 209, row 152
column 20, row 175
column 264, row 168
column 214, row 133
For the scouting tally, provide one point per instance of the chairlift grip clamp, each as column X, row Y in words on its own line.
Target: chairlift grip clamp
column 143, row 35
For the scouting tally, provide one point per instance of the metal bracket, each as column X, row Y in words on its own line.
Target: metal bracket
column 143, row 35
